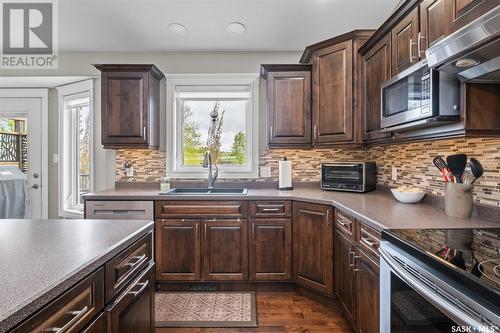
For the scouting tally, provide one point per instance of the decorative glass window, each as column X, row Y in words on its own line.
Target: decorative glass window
column 212, row 113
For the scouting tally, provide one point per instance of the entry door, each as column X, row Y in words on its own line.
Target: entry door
column 28, row 110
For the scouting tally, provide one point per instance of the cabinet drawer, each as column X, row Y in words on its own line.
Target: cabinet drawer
column 124, row 267
column 72, row 311
column 368, row 240
column 98, row 325
column 122, row 210
column 345, row 223
column 200, row 209
column 270, row 209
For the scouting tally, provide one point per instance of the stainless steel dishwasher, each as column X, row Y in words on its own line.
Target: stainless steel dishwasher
column 119, row 210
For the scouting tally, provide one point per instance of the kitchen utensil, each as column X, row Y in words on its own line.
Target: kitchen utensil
column 440, row 163
column 476, row 168
column 456, row 164
column 408, row 197
column 468, row 177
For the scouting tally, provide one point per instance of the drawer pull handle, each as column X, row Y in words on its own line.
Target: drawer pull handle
column 368, row 241
column 344, row 224
column 271, row 209
column 77, row 315
column 143, row 285
column 137, row 259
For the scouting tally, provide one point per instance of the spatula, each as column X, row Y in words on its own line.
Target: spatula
column 457, row 164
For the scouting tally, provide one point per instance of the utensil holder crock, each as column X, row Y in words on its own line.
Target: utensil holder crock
column 458, row 200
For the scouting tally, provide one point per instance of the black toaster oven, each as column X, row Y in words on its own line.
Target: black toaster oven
column 349, row 176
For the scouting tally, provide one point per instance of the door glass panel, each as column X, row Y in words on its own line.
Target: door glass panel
column 410, row 312
column 14, row 167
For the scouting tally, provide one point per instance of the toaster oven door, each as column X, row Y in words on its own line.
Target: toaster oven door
column 342, row 176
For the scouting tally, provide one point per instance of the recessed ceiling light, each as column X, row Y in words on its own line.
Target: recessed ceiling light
column 177, row 28
column 236, row 28
column 466, row 62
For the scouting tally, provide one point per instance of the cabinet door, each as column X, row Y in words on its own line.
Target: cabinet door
column 332, row 94
column 313, row 246
column 433, row 24
column 404, row 42
column 377, row 63
column 225, row 250
column 368, row 295
column 178, row 253
column 344, row 276
column 124, row 107
column 462, row 12
column 289, row 109
column 133, row 310
column 271, row 249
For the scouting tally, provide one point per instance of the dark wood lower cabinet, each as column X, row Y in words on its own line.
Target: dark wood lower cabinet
column 181, row 238
column 270, row 249
column 313, row 246
column 225, row 250
column 368, row 294
column 133, row 309
column 344, row 275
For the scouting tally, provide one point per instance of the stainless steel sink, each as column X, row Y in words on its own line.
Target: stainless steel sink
column 206, row 191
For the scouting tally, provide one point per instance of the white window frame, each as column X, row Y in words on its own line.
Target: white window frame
column 67, row 174
column 192, row 82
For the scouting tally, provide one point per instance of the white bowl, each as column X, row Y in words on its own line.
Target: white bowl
column 408, row 197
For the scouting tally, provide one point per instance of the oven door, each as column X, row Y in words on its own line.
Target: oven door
column 411, row 302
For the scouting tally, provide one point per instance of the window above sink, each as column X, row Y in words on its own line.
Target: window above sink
column 218, row 113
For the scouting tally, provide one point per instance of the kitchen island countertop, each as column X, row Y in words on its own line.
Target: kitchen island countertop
column 40, row 259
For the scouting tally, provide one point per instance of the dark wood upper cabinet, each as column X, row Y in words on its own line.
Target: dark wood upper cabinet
column 368, row 294
column 271, row 249
column 404, row 37
column 433, row 24
column 225, row 250
column 345, row 283
column 336, row 88
column 313, row 246
column 130, row 102
column 332, row 94
column 288, row 105
column 181, row 237
column 377, row 70
column 462, row 12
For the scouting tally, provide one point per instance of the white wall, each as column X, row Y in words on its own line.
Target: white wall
column 78, row 64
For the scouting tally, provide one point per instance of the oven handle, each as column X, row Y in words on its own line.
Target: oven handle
column 446, row 307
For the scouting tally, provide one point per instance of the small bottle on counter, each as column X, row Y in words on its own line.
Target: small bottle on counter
column 165, row 183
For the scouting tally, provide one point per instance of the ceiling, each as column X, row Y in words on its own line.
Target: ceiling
column 272, row 25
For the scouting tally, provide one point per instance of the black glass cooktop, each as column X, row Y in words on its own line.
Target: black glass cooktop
column 472, row 253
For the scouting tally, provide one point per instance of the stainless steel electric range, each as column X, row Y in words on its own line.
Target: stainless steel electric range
column 434, row 280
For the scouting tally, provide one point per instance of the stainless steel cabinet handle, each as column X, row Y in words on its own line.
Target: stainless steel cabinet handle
column 351, row 258
column 411, row 50
column 315, row 132
column 270, row 131
column 197, row 231
column 77, row 316
column 144, row 132
column 137, row 259
column 205, row 231
column 356, row 266
column 253, row 230
column 419, row 43
column 143, row 285
column 270, row 209
column 368, row 241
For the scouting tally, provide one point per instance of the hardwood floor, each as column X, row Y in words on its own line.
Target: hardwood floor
column 285, row 312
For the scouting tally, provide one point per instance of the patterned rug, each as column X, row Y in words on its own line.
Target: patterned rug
column 205, row 309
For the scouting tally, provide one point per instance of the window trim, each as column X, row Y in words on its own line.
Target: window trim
column 74, row 89
column 174, row 127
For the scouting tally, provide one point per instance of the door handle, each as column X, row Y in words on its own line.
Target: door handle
column 35, row 186
column 419, row 43
column 411, row 50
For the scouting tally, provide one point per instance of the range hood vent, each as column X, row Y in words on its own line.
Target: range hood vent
column 473, row 52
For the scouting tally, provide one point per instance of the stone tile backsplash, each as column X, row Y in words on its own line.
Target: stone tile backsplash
column 413, row 162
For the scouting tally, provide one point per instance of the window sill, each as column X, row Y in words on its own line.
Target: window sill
column 71, row 214
column 222, row 175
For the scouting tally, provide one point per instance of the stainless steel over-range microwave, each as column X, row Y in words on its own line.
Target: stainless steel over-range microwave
column 349, row 176
column 420, row 96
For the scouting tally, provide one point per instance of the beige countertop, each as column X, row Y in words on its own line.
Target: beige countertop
column 379, row 209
